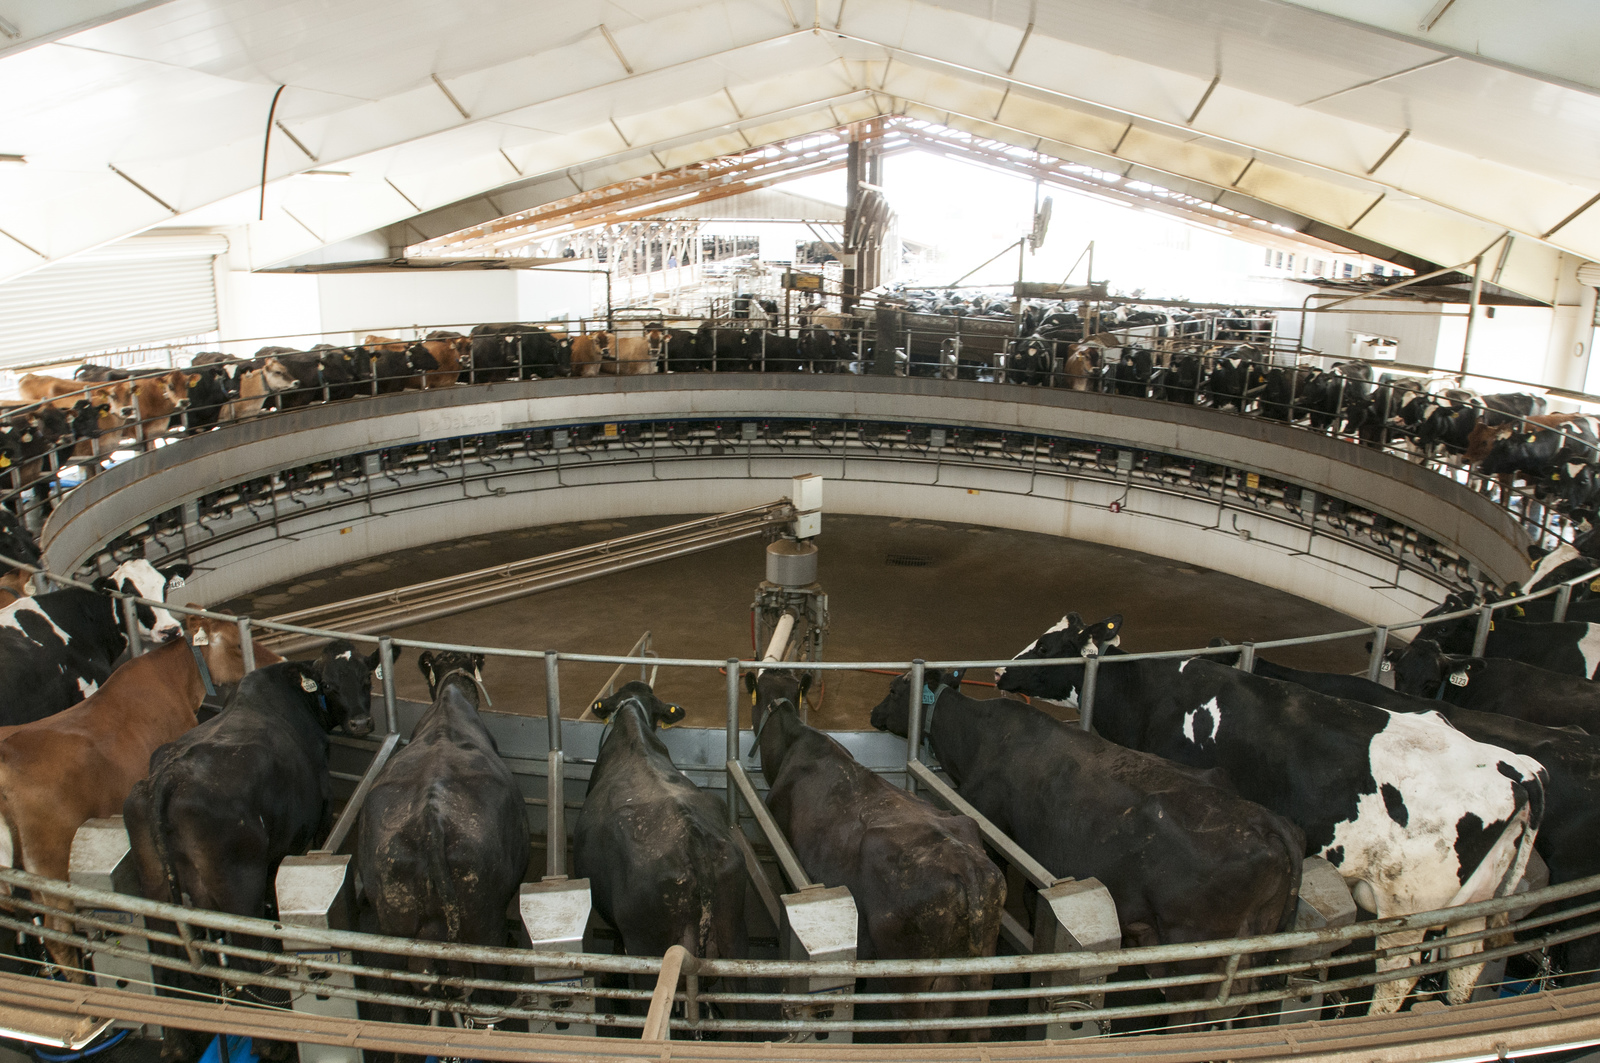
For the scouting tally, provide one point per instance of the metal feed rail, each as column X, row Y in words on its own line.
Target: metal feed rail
column 1226, row 980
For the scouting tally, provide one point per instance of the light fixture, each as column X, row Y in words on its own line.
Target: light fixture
column 18, row 159
column 325, row 175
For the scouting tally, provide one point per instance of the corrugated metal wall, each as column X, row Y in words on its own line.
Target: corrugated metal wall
column 141, row 290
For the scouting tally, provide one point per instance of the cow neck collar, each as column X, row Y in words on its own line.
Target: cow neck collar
column 772, row 710
column 205, row 670
column 930, row 704
column 606, row 731
column 483, row 692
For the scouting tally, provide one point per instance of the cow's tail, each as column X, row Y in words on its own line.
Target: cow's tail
column 439, row 869
column 1294, row 847
column 160, row 797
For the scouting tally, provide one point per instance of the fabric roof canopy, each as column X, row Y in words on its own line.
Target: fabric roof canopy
column 1437, row 141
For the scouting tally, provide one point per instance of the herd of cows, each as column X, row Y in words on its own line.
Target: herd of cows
column 1508, row 436
column 1194, row 800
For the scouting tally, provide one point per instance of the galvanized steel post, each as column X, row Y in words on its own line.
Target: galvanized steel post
column 1091, row 671
column 1247, row 657
column 555, row 831
column 914, row 721
column 247, row 645
column 1485, row 623
column 1380, row 642
column 130, row 620
column 1563, row 599
column 732, row 669
column 391, row 716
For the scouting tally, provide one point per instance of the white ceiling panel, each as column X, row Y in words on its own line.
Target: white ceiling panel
column 176, row 95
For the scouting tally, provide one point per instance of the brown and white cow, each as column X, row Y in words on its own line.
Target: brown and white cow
column 80, row 764
column 64, row 394
column 254, row 387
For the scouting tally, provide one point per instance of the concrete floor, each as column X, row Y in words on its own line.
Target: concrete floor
column 985, row 593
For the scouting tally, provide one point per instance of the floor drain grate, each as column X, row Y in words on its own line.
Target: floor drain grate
column 910, row 560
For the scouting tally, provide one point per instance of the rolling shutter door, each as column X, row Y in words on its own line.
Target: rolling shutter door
column 141, row 290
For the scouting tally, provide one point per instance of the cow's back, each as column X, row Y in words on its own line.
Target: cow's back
column 923, row 884
column 662, row 864
column 55, row 649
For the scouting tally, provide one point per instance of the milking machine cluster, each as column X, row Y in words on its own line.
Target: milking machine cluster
column 790, row 611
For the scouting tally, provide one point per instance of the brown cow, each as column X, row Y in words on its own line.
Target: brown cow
column 630, row 356
column 589, row 351
column 79, row 764
column 1077, row 367
column 447, row 348
column 158, row 397
column 64, row 394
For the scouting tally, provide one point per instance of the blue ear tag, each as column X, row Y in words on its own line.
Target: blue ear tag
column 929, row 696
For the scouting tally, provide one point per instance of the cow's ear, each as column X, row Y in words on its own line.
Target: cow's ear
column 105, row 585
column 424, row 664
column 805, row 683
column 1072, row 621
column 673, row 715
column 193, row 379
column 952, row 678
column 750, row 682
column 1109, row 627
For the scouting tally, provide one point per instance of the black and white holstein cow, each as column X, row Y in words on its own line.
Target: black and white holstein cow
column 1571, row 647
column 443, row 840
column 1184, row 860
column 923, row 885
column 1566, row 839
column 1415, row 815
column 229, row 800
column 663, row 866
column 1509, row 688
column 57, row 648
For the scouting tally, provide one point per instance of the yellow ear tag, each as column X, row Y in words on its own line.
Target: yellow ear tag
column 753, row 693
column 5, row 462
column 596, row 706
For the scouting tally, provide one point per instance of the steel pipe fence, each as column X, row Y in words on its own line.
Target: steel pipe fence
column 294, row 959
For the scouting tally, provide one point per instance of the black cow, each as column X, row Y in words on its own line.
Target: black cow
column 1414, row 814
column 1235, row 380
column 782, row 352
column 1511, row 688
column 57, row 648
column 663, row 865
column 224, row 804
column 443, row 840
column 722, row 348
column 1032, row 361
column 1181, row 380
column 210, row 388
column 1130, row 373
column 922, row 883
column 1184, row 860
column 1571, row 761
column 306, row 368
column 1571, row 647
column 1537, row 452
column 396, row 370
column 1283, row 397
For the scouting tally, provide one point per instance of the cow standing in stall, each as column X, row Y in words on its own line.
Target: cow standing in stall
column 662, row 863
column 1185, row 860
column 229, row 799
column 80, row 764
column 923, row 885
column 443, row 840
column 1415, row 815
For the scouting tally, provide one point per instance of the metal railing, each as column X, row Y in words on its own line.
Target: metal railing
column 1236, row 983
column 37, row 482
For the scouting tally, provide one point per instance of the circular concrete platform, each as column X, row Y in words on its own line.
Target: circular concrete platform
column 897, row 589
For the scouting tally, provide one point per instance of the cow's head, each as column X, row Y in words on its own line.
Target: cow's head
column 218, row 642
column 1425, row 671
column 773, row 691
column 142, row 579
column 274, row 377
column 893, row 713
column 437, row 667
column 1451, row 633
column 341, row 681
column 638, row 698
column 1070, row 637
